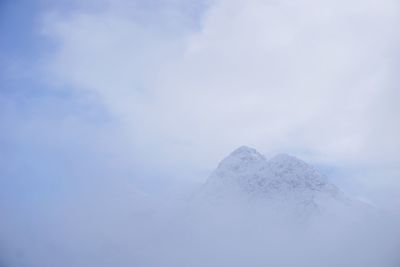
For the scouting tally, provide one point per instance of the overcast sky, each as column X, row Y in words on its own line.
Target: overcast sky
column 141, row 94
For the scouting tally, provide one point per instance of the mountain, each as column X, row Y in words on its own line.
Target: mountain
column 284, row 182
column 281, row 211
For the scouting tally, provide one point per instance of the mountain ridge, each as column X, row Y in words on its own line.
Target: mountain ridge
column 283, row 180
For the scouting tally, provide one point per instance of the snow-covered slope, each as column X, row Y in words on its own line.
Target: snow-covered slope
column 277, row 212
column 247, row 175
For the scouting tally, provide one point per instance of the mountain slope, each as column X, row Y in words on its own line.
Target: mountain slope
column 283, row 181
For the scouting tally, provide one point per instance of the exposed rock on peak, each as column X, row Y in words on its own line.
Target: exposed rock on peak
column 286, row 160
column 247, row 173
column 296, row 172
column 245, row 150
column 241, row 159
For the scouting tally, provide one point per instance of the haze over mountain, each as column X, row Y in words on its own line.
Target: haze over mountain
column 278, row 212
column 251, row 211
column 248, row 170
column 113, row 114
column 282, row 180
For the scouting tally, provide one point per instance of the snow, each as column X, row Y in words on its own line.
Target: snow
column 245, row 174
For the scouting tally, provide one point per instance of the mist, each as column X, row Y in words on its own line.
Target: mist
column 115, row 114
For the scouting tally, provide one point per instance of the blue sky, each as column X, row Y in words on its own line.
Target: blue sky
column 57, row 142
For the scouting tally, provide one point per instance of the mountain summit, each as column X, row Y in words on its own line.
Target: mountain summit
column 247, row 174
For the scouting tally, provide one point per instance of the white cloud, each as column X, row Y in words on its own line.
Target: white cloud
column 308, row 77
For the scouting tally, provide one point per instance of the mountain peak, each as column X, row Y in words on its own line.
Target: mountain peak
column 241, row 158
column 245, row 151
column 283, row 156
column 283, row 176
column 287, row 162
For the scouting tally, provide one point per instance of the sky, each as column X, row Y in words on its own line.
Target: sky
column 103, row 101
column 96, row 96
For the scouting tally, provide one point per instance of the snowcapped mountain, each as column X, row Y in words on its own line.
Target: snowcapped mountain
column 247, row 175
column 276, row 212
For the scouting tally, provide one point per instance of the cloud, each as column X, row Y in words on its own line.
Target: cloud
column 134, row 95
column 315, row 79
